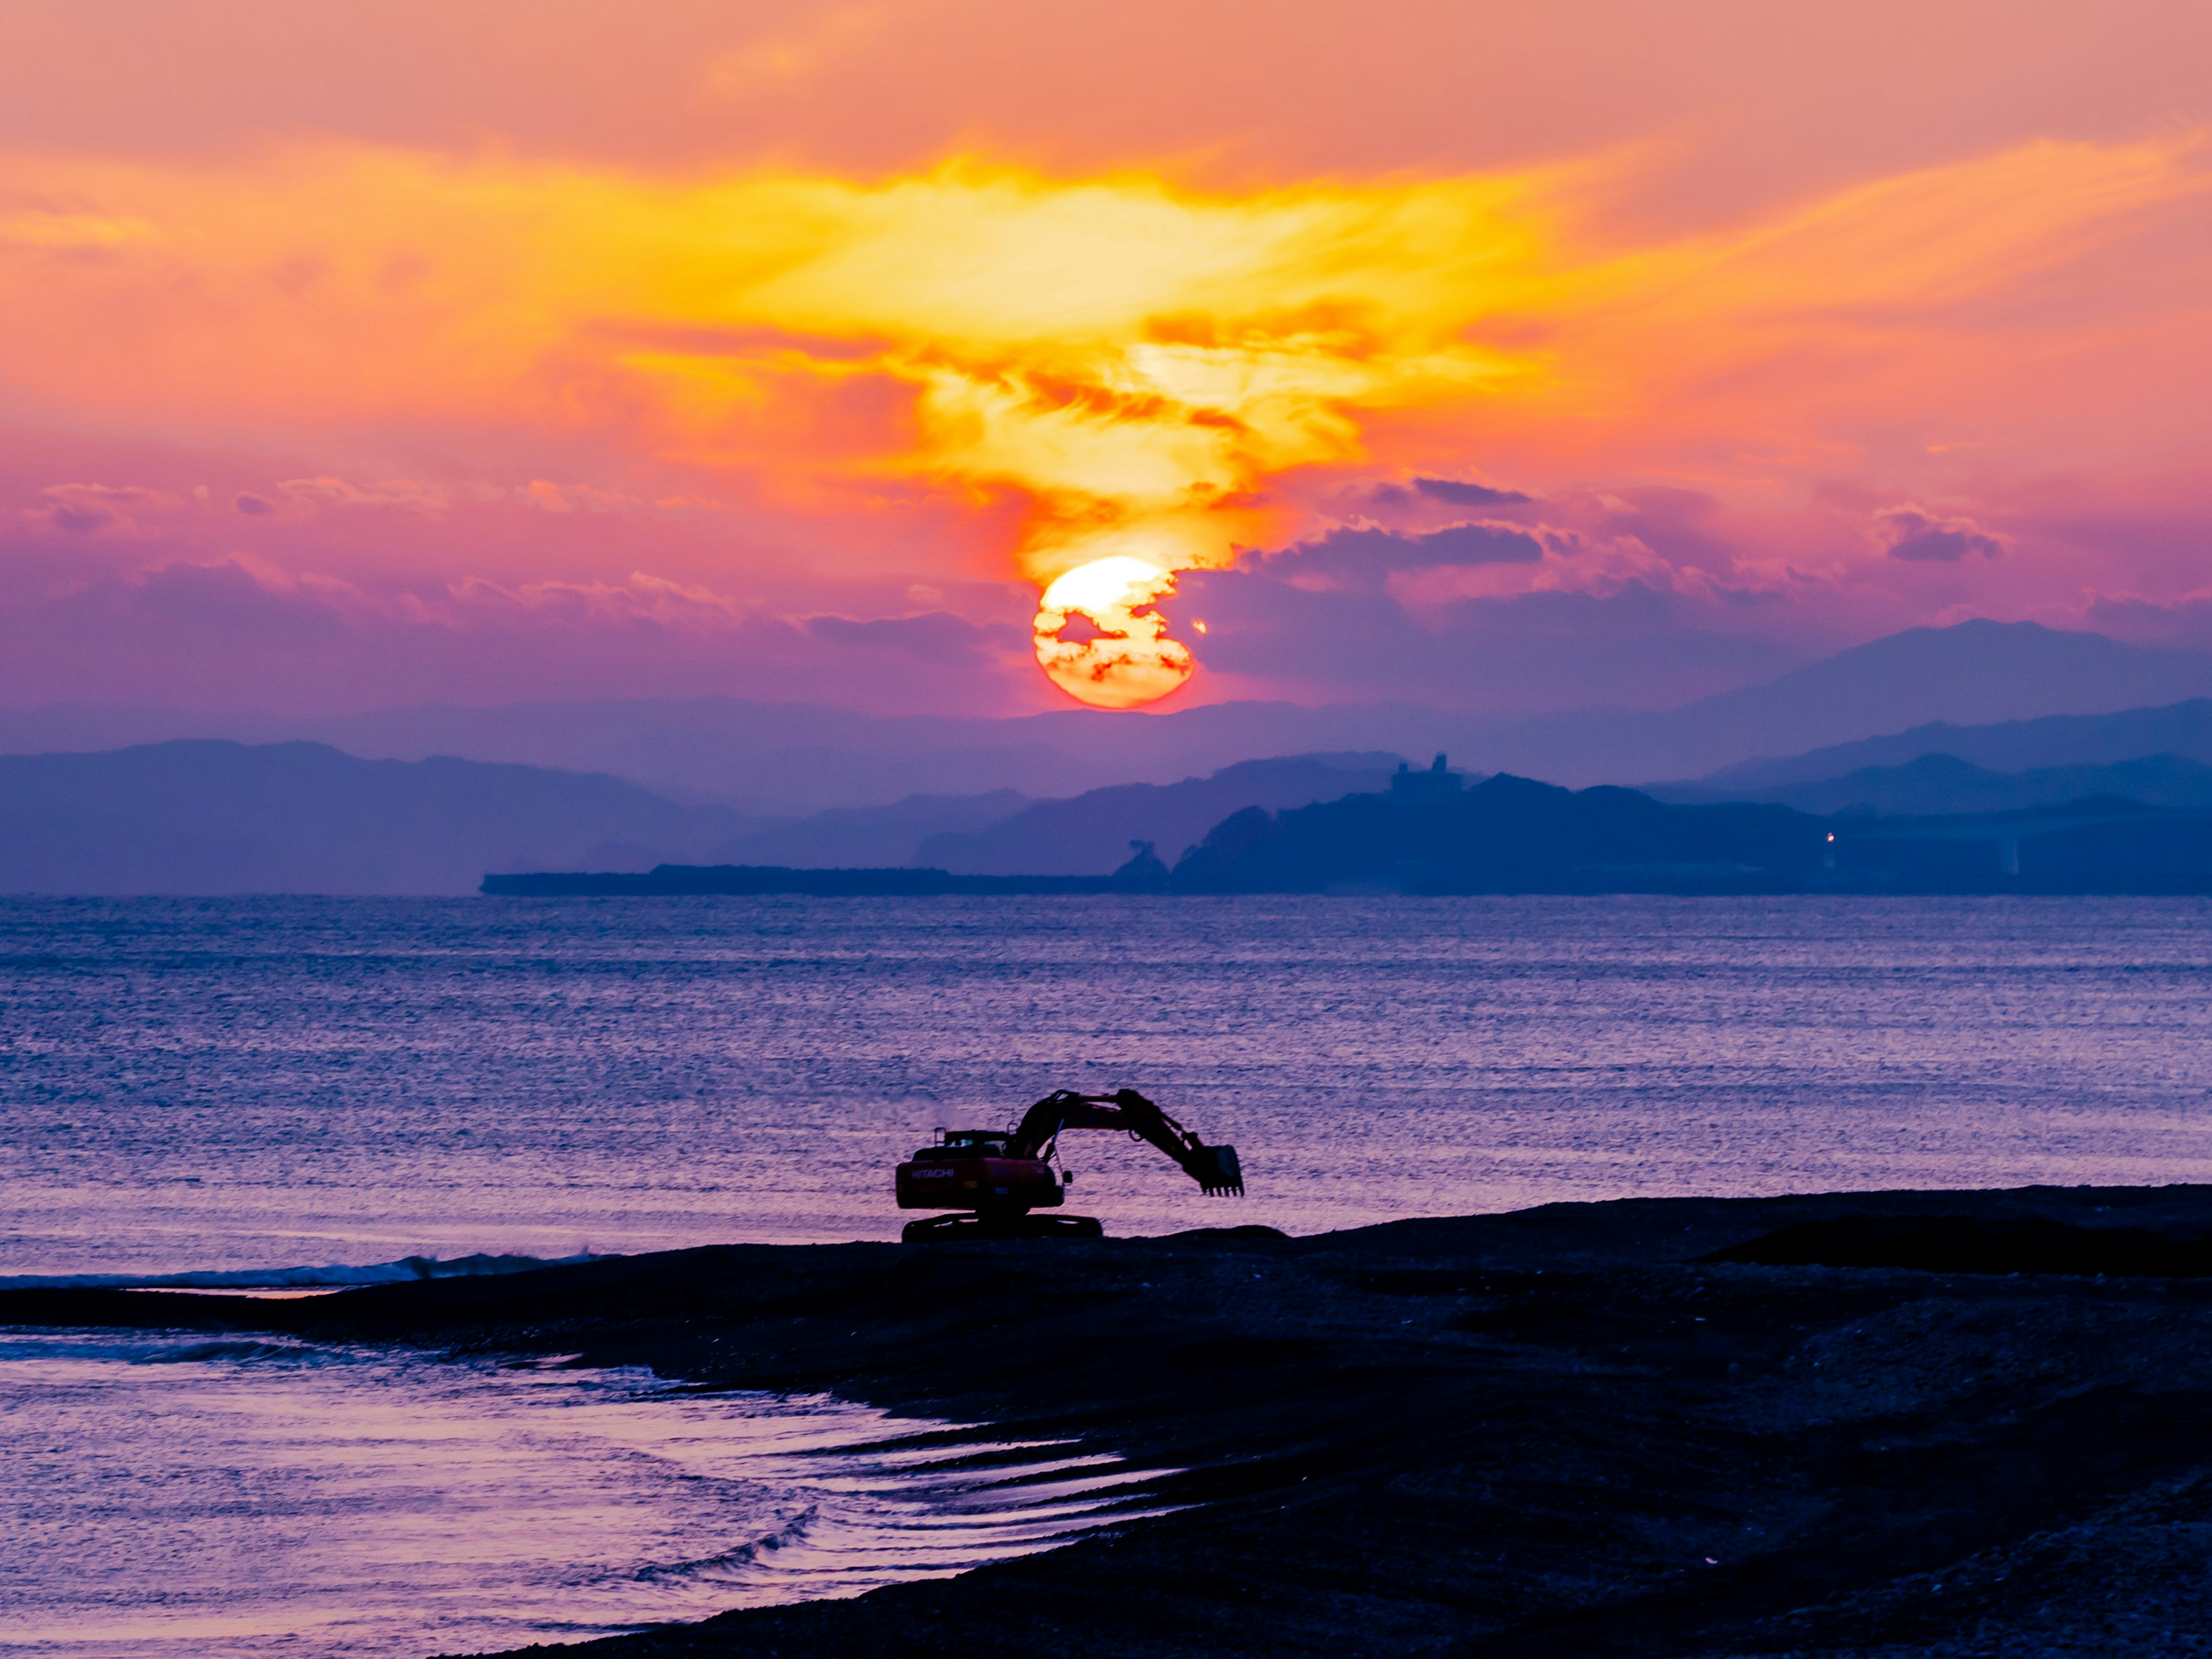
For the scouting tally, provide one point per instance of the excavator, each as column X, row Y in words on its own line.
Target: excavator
column 996, row 1177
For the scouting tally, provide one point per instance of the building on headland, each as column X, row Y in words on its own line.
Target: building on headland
column 1438, row 781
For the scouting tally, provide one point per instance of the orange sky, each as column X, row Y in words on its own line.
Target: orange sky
column 487, row 351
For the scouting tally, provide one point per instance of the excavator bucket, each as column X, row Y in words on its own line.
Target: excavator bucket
column 1218, row 1171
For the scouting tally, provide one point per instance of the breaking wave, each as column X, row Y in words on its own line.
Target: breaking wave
column 333, row 1276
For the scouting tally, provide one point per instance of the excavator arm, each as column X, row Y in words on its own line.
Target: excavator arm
column 1215, row 1168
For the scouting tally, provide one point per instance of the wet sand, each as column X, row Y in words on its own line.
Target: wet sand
column 1560, row 1431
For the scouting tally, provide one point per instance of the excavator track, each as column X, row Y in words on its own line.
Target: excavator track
column 1001, row 1226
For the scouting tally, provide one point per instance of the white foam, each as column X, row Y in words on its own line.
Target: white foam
column 336, row 1275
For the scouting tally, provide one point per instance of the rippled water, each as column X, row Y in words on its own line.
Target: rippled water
column 260, row 1084
column 172, row 1497
column 238, row 1083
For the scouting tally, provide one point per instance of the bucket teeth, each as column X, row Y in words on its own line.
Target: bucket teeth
column 1222, row 1176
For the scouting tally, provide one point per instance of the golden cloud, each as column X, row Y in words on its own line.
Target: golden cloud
column 1131, row 359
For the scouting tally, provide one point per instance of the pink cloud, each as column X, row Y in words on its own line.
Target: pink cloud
column 1719, row 504
column 336, row 492
column 642, row 598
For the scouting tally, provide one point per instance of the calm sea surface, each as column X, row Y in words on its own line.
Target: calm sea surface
column 198, row 1084
column 262, row 1085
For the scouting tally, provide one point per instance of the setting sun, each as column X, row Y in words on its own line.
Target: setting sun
column 1101, row 642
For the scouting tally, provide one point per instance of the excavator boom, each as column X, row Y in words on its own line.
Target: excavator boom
column 1215, row 1168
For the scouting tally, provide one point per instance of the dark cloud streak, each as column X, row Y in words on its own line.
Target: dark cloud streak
column 1921, row 537
column 1364, row 555
column 1458, row 493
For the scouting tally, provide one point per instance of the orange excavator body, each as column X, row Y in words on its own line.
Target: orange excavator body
column 966, row 1171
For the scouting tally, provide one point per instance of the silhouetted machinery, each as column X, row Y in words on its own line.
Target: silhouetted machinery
column 997, row 1176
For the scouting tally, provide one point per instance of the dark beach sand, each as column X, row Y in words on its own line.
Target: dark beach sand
column 1555, row 1432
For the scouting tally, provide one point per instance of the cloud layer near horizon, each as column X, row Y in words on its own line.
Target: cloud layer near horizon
column 337, row 409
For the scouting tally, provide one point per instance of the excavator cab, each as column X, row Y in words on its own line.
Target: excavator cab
column 997, row 1178
column 976, row 1143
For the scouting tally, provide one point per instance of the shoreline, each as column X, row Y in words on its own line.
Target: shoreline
column 728, row 881
column 1558, row 1430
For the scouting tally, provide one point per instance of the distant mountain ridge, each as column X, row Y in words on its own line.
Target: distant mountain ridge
column 1092, row 833
column 785, row 760
column 1945, row 784
column 1974, row 672
column 211, row 816
column 2182, row 729
column 781, row 760
column 202, row 816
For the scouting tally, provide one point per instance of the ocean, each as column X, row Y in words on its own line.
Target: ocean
column 259, row 1084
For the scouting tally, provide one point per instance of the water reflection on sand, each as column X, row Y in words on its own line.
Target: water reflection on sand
column 175, row 1495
